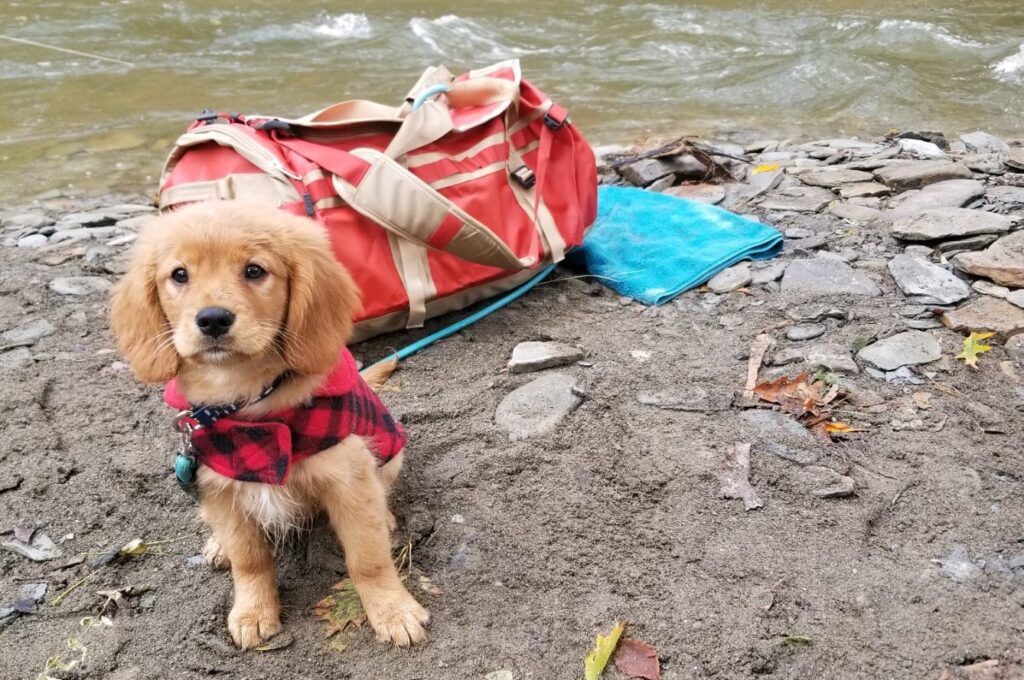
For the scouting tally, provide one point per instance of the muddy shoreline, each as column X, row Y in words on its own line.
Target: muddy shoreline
column 537, row 545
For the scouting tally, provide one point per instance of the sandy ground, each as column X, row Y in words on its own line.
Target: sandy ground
column 539, row 545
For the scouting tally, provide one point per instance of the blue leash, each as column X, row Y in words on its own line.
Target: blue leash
column 511, row 296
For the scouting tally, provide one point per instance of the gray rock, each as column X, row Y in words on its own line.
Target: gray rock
column 80, row 285
column 853, row 212
column 805, row 332
column 797, row 232
column 648, row 170
column 730, row 279
column 903, row 349
column 535, row 356
column 986, row 314
column 988, row 163
column 28, row 332
column 918, row 251
column 835, row 358
column 93, row 218
column 921, row 278
column 958, row 566
column 660, row 185
column 953, row 193
column 1003, row 261
column 28, row 220
column 983, row 142
column 963, row 245
column 797, row 199
column 789, row 355
column 766, row 272
column 1015, row 349
column 85, row 234
column 32, row 241
column 988, row 288
column 916, row 174
column 706, row 193
column 827, row 276
column 862, row 189
column 135, row 223
column 946, row 223
column 834, row 177
column 1010, row 196
column 16, row 358
column 921, row 148
column 923, row 324
column 1016, row 297
column 538, row 406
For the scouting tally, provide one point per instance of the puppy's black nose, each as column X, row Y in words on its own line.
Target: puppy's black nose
column 214, row 321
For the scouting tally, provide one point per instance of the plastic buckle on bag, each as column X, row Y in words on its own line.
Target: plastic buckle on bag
column 556, row 117
column 207, row 116
column 524, row 177
column 275, row 125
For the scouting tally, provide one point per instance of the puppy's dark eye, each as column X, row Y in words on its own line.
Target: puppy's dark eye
column 179, row 275
column 254, row 272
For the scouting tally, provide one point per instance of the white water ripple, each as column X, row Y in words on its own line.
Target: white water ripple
column 1012, row 67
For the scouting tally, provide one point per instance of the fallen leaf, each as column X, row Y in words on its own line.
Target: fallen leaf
column 638, row 660
column 839, row 428
column 342, row 609
column 973, row 347
column 133, row 548
column 798, row 396
column 796, row 640
column 597, row 658
column 734, row 471
column 764, row 167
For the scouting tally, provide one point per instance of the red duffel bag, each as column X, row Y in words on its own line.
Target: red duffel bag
column 461, row 192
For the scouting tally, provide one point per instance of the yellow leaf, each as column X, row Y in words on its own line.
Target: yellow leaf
column 598, row 657
column 973, row 347
column 840, row 428
column 765, row 167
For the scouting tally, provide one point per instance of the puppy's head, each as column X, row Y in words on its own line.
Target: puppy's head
column 226, row 283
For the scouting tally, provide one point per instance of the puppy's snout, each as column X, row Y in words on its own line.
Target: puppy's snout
column 214, row 321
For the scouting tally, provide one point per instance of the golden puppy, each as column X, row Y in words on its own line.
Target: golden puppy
column 232, row 301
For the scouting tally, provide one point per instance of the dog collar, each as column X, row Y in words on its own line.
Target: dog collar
column 196, row 417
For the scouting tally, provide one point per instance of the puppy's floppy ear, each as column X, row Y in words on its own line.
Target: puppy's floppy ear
column 322, row 298
column 138, row 321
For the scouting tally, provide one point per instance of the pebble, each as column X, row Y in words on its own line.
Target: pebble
column 761, row 272
column 535, row 356
column 32, row 241
column 834, row 177
column 28, row 332
column 730, row 279
column 805, row 332
column 918, row 251
column 797, row 232
column 963, row 245
column 918, row 277
column 27, row 220
column 1016, row 297
column 945, row 223
column 94, row 218
column 853, row 212
column 921, row 148
column 80, row 285
column 1003, row 261
column 953, row 193
column 862, row 189
column 988, row 288
column 827, row 276
column 1015, row 349
column 537, row 407
column 646, row 171
column 958, row 566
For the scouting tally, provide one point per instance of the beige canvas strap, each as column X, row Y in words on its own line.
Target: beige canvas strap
column 407, row 206
column 255, row 187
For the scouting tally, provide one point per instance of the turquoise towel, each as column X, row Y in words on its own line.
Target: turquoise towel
column 652, row 247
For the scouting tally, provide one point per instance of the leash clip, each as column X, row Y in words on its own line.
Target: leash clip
column 185, row 464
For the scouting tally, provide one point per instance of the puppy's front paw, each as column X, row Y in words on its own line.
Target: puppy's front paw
column 214, row 555
column 250, row 627
column 397, row 618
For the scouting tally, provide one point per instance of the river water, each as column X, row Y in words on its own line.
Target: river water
column 626, row 71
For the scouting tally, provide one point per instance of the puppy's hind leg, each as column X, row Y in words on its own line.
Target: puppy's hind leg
column 256, row 612
column 353, row 495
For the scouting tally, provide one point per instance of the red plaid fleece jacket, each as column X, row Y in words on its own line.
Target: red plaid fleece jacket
column 265, row 450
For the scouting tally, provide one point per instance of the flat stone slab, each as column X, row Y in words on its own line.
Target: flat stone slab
column 827, row 276
column 28, row 220
column 861, row 189
column 706, row 193
column 918, row 277
column 831, row 357
column 80, row 285
column 537, row 407
column 946, row 223
column 986, row 314
column 765, row 272
column 953, row 193
column 798, row 199
column 1003, row 261
column 853, row 212
column 28, row 332
column 730, row 279
column 903, row 349
column 834, row 177
column 535, row 356
column 983, row 142
column 916, row 174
